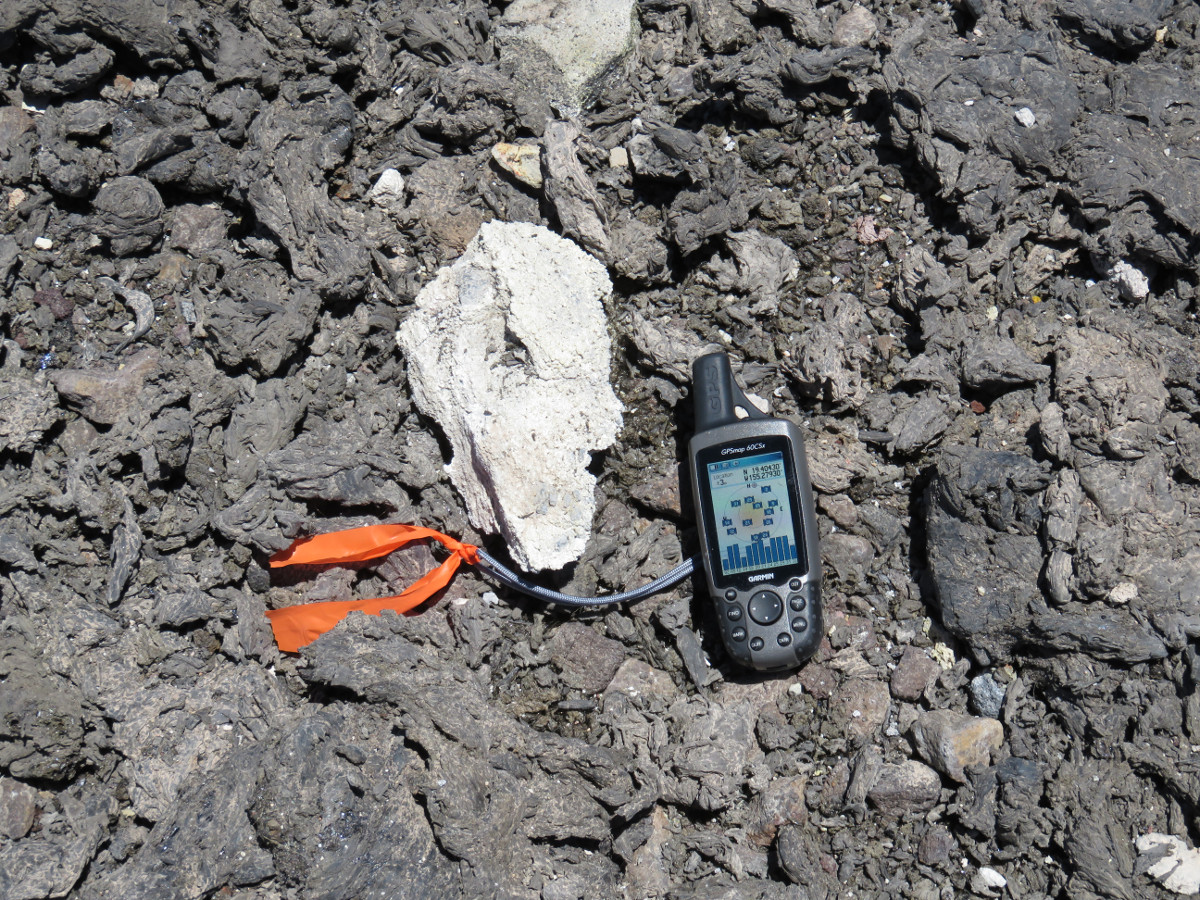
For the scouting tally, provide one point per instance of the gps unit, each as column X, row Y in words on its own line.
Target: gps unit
column 757, row 524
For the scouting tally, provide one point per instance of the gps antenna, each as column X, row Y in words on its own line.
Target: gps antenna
column 715, row 395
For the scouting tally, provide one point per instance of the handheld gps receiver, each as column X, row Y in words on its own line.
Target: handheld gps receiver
column 758, row 534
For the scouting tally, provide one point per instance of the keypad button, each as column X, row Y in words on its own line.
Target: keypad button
column 794, row 584
column 799, row 624
column 784, row 639
column 756, row 643
column 765, row 607
column 738, row 634
column 797, row 602
column 734, row 613
column 731, row 595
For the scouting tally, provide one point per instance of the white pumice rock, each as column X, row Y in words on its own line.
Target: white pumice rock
column 508, row 350
column 1131, row 282
column 388, row 190
column 1170, row 861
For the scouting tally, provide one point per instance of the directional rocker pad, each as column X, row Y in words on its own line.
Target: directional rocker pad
column 765, row 607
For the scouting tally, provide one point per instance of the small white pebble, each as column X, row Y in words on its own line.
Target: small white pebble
column 1123, row 593
column 1025, row 116
column 991, row 878
column 43, row 243
column 388, row 189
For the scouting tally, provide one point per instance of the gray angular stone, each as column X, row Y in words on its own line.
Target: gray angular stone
column 29, row 409
column 998, row 363
column 568, row 47
column 43, row 721
column 855, row 27
column 920, row 424
column 49, row 862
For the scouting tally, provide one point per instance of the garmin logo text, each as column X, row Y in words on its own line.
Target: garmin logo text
column 768, row 576
column 729, row 450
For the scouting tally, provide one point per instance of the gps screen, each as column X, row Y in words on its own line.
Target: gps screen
column 752, row 513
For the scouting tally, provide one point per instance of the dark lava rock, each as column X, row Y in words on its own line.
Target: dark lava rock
column 1129, row 26
column 43, row 722
column 129, row 212
column 985, row 556
column 956, row 108
column 485, row 770
column 799, row 856
column 68, row 78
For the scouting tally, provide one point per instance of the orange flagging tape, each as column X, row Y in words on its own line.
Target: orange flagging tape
column 296, row 626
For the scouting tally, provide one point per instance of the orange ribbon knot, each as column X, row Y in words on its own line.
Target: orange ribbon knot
column 296, row 626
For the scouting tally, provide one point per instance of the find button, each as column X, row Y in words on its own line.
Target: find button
column 765, row 607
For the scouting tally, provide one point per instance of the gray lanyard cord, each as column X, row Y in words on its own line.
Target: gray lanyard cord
column 511, row 579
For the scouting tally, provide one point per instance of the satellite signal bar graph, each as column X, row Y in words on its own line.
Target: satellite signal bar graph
column 758, row 553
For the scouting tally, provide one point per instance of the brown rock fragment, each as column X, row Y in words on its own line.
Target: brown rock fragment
column 660, row 492
column 522, row 161
column 865, row 703
column 905, row 788
column 952, row 742
column 635, row 678
column 59, row 305
column 913, row 674
column 855, row 28
column 587, row 660
column 936, row 846
column 18, row 808
column 103, row 395
column 782, row 803
column 818, row 681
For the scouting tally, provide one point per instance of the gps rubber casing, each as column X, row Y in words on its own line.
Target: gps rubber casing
column 765, row 585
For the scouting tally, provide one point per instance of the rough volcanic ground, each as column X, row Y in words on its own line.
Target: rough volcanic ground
column 957, row 243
